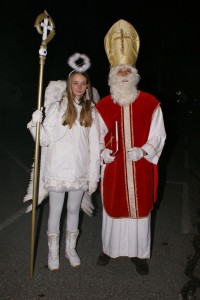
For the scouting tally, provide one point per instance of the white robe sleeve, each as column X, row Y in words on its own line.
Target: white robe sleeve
column 156, row 138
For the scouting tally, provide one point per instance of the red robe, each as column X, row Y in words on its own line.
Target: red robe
column 129, row 189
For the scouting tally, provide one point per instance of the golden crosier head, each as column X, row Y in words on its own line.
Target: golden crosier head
column 122, row 44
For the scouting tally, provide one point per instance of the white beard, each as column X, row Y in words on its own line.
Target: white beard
column 122, row 92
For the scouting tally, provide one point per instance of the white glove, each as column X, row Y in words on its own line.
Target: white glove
column 37, row 116
column 92, row 187
column 106, row 156
column 135, row 153
column 86, row 204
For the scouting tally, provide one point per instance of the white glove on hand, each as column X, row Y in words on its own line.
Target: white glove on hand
column 106, row 156
column 37, row 116
column 92, row 187
column 135, row 153
column 86, row 204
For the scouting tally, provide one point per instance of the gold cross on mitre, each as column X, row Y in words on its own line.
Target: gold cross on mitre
column 122, row 44
column 122, row 37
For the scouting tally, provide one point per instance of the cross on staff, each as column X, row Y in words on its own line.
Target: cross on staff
column 46, row 28
column 122, row 37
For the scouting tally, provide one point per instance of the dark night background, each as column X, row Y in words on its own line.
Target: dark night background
column 169, row 57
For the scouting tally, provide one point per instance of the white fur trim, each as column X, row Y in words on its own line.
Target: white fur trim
column 80, row 68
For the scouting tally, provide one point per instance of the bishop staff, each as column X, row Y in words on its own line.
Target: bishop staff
column 45, row 26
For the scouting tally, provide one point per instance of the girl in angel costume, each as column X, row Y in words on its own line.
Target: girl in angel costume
column 70, row 159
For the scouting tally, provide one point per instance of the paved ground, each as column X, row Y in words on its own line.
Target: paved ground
column 175, row 263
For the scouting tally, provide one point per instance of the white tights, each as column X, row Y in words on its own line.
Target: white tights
column 56, row 201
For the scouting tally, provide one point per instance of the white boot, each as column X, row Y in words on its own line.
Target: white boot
column 53, row 255
column 70, row 251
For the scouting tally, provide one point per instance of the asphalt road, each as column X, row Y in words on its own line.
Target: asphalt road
column 175, row 262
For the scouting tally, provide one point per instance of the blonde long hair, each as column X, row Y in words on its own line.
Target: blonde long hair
column 86, row 100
